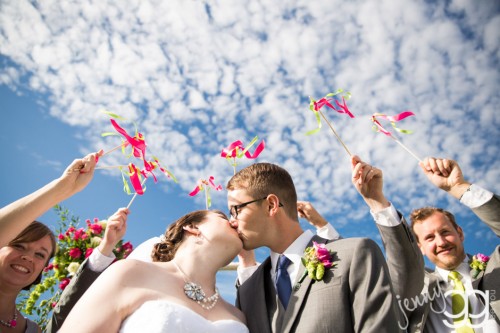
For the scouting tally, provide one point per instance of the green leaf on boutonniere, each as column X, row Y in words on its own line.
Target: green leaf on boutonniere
column 320, row 272
column 316, row 260
column 478, row 264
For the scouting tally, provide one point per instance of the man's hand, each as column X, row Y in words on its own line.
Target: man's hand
column 115, row 230
column 308, row 212
column 246, row 258
column 368, row 181
column 446, row 175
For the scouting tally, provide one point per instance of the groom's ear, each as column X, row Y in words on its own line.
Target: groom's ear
column 274, row 204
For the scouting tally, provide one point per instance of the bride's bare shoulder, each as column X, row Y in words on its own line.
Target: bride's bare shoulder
column 132, row 269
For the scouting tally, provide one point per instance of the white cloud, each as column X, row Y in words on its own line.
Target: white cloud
column 197, row 76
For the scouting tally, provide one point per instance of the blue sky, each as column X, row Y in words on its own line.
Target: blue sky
column 198, row 75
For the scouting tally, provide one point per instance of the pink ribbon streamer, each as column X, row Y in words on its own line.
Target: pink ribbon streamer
column 392, row 119
column 135, row 178
column 137, row 142
column 237, row 150
column 202, row 183
column 342, row 108
column 206, row 185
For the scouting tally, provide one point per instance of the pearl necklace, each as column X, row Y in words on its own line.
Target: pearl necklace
column 12, row 322
column 194, row 292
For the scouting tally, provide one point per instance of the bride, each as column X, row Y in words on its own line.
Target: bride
column 174, row 293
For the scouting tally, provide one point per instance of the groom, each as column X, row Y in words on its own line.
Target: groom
column 354, row 295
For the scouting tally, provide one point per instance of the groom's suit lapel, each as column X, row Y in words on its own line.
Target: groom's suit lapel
column 299, row 293
column 264, row 290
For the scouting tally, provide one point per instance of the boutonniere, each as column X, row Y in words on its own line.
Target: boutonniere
column 316, row 259
column 478, row 264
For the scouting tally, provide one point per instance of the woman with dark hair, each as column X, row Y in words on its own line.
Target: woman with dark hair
column 174, row 293
column 21, row 265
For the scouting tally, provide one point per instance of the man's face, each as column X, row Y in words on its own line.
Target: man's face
column 440, row 241
column 249, row 219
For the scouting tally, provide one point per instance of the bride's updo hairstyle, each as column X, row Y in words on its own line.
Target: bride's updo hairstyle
column 172, row 239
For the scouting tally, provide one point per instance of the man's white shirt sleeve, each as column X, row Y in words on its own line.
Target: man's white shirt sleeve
column 388, row 217
column 98, row 262
column 476, row 196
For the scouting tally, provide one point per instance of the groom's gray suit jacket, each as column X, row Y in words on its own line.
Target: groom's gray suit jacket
column 356, row 295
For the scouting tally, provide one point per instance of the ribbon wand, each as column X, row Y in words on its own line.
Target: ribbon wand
column 115, row 148
column 237, row 150
column 135, row 195
column 207, row 198
column 315, row 107
column 408, row 150
column 335, row 133
column 393, row 119
column 205, row 185
column 110, row 167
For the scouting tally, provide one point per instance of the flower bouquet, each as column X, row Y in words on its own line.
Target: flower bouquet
column 74, row 245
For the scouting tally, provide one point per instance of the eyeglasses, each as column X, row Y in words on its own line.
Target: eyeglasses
column 235, row 210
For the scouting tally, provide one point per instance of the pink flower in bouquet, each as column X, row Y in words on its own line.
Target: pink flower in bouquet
column 95, row 228
column 127, row 247
column 75, row 253
column 70, row 230
column 60, row 237
column 64, row 283
column 78, row 234
column 88, row 252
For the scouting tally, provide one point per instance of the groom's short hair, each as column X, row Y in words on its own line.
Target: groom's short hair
column 261, row 179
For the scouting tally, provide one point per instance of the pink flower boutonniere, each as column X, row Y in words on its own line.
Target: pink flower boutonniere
column 316, row 259
column 478, row 264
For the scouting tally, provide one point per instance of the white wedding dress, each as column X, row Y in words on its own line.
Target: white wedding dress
column 163, row 316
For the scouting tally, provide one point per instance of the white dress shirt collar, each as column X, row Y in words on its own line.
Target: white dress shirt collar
column 294, row 252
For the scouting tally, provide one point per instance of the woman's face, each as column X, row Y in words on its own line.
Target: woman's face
column 216, row 227
column 21, row 263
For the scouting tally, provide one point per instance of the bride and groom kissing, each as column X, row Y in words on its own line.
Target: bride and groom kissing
column 177, row 290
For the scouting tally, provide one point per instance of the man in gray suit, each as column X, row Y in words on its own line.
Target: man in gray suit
column 404, row 259
column 441, row 240
column 354, row 295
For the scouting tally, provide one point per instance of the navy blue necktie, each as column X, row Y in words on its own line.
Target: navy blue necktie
column 283, row 283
